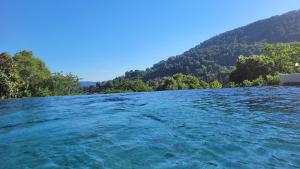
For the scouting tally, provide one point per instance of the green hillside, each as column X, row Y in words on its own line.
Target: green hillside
column 213, row 58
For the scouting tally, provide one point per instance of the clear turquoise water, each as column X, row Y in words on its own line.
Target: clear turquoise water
column 226, row 128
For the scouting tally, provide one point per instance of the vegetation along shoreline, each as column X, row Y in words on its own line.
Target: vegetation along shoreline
column 24, row 75
column 252, row 55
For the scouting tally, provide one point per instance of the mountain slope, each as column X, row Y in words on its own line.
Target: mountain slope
column 212, row 59
column 282, row 28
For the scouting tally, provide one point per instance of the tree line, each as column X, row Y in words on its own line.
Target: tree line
column 254, row 70
column 178, row 81
column 216, row 57
column 24, row 75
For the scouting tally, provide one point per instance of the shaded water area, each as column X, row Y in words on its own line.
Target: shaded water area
column 223, row 128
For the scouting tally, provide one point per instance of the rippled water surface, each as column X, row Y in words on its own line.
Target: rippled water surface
column 226, row 128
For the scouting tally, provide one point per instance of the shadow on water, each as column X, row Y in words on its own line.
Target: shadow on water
column 29, row 123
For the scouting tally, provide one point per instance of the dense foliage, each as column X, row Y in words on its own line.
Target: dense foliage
column 213, row 60
column 24, row 75
column 204, row 63
column 282, row 28
column 255, row 70
column 181, row 82
column 175, row 82
column 10, row 81
column 264, row 69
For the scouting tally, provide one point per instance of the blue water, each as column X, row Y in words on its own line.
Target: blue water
column 225, row 128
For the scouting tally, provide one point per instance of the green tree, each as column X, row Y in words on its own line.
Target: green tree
column 264, row 69
column 231, row 85
column 273, row 79
column 193, row 82
column 260, row 81
column 24, row 76
column 281, row 54
column 216, row 84
column 10, row 82
column 59, row 84
column 139, row 86
column 250, row 68
column 167, row 83
column 247, row 83
column 33, row 72
column 180, row 82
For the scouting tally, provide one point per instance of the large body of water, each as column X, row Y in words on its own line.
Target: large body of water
column 225, row 128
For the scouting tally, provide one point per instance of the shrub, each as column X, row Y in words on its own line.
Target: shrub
column 231, row 85
column 273, row 80
column 259, row 81
column 247, row 83
column 215, row 84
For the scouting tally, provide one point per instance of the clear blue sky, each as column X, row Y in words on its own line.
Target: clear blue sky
column 101, row 39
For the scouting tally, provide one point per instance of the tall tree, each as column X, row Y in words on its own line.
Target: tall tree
column 10, row 82
column 60, row 84
column 33, row 72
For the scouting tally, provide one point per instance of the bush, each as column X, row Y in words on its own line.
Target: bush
column 247, row 83
column 273, row 80
column 231, row 85
column 216, row 84
column 259, row 81
column 250, row 68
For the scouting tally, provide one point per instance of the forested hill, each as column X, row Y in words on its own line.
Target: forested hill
column 249, row 39
column 282, row 28
column 213, row 58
